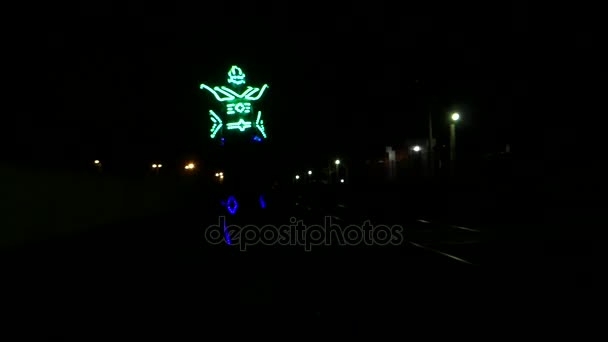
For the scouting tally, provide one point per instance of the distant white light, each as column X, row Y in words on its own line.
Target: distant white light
column 297, row 176
column 342, row 180
column 217, row 174
column 455, row 117
column 96, row 161
column 154, row 166
column 416, row 148
column 160, row 165
column 309, row 172
column 337, row 161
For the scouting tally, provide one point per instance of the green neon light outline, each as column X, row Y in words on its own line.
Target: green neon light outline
column 261, row 91
column 241, row 125
column 247, row 107
column 240, row 79
column 242, row 107
column 257, row 121
column 217, row 123
column 225, row 94
column 204, row 86
column 259, row 124
column 233, row 93
column 229, row 97
column 230, row 109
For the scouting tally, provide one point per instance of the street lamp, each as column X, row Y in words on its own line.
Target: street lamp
column 337, row 162
column 157, row 167
column 416, row 148
column 98, row 165
column 342, row 180
column 297, row 176
column 455, row 117
column 309, row 172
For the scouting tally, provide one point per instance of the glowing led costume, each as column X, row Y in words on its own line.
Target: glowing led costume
column 238, row 99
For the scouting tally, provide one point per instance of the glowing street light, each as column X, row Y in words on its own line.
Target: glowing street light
column 97, row 162
column 342, row 180
column 416, row 148
column 455, row 117
column 309, row 172
column 160, row 165
column 217, row 174
column 337, row 162
column 297, row 176
column 154, row 166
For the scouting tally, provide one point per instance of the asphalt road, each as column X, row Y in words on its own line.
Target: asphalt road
column 161, row 270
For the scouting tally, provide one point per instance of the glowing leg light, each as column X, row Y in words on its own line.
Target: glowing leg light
column 259, row 124
column 227, row 234
column 217, row 123
column 232, row 205
column 262, row 202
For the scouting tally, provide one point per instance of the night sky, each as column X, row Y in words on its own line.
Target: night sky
column 123, row 82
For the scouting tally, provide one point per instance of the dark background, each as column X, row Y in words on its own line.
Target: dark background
column 122, row 82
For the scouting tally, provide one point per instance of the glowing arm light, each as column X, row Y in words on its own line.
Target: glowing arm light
column 204, row 86
column 228, row 97
column 217, row 97
column 250, row 96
